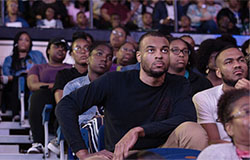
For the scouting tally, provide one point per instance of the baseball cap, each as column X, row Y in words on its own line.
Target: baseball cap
column 57, row 41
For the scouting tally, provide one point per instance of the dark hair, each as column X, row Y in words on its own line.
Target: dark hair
column 90, row 36
column 227, row 38
column 16, row 62
column 191, row 60
column 225, row 48
column 188, row 36
column 52, row 7
column 80, row 12
column 124, row 29
column 226, row 101
column 245, row 46
column 144, row 155
column 153, row 34
column 206, row 48
column 96, row 44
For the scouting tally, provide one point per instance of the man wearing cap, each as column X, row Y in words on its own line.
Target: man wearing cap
column 40, row 80
column 233, row 69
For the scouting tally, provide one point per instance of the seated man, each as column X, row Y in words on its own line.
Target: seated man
column 142, row 108
column 233, row 69
column 233, row 113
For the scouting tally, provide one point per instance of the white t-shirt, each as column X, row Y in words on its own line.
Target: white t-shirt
column 206, row 107
column 224, row 151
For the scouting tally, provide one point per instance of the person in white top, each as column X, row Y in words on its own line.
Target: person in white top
column 233, row 69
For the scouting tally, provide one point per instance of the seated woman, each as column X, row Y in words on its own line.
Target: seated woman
column 40, row 80
column 126, row 55
column 16, row 65
column 233, row 113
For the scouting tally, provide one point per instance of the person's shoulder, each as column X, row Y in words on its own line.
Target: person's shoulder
column 175, row 79
column 211, row 92
column 35, row 53
column 81, row 79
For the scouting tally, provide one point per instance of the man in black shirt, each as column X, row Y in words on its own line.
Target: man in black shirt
column 142, row 108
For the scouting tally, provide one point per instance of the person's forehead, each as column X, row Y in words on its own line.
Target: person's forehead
column 80, row 41
column 177, row 42
column 243, row 102
column 230, row 52
column 155, row 41
column 120, row 30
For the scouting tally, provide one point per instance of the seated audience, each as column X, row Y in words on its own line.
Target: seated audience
column 201, row 18
column 118, row 37
column 233, row 113
column 206, row 61
column 115, row 20
column 226, row 22
column 40, row 80
column 185, row 25
column 147, row 22
column 245, row 48
column 13, row 19
column 82, row 21
column 49, row 20
column 180, row 59
column 163, row 15
column 152, row 106
column 182, row 7
column 125, row 56
column 99, row 62
column 233, row 70
column 115, row 6
column 15, row 66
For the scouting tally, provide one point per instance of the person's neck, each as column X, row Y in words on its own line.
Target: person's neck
column 22, row 54
column 226, row 87
column 115, row 50
column 93, row 75
column 82, row 26
column 147, row 26
column 151, row 81
column 177, row 72
column 54, row 63
column 213, row 78
column 186, row 28
column 81, row 68
column 242, row 147
column 12, row 17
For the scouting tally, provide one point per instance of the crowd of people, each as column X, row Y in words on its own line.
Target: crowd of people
column 193, row 16
column 158, row 92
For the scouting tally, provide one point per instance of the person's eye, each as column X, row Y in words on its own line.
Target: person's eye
column 186, row 51
column 164, row 50
column 228, row 62
column 243, row 60
column 150, row 50
column 109, row 58
column 99, row 53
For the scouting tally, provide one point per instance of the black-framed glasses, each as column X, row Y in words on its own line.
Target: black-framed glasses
column 79, row 49
column 128, row 50
column 240, row 114
column 177, row 51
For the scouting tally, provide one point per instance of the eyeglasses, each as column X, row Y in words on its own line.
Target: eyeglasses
column 128, row 50
column 240, row 114
column 79, row 49
column 177, row 51
column 120, row 34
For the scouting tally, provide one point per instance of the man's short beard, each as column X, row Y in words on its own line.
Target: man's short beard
column 229, row 82
column 151, row 73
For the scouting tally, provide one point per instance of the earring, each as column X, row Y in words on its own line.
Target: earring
column 207, row 70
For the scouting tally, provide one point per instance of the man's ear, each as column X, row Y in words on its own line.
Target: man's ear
column 229, row 129
column 218, row 72
column 138, row 56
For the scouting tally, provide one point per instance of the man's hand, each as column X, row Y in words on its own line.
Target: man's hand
column 83, row 154
column 127, row 142
column 243, row 83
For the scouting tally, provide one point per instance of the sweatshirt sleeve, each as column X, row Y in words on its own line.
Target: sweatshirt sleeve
column 76, row 103
column 182, row 110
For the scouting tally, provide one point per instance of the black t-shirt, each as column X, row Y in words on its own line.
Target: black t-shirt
column 128, row 102
column 64, row 76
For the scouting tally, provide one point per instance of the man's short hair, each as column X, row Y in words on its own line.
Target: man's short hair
column 153, row 34
column 223, row 49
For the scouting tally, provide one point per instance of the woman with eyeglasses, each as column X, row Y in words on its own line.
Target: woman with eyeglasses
column 126, row 55
column 234, row 114
column 180, row 60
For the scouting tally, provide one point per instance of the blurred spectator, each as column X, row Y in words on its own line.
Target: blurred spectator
column 245, row 12
column 234, row 7
column 213, row 8
column 16, row 65
column 126, row 55
column 182, row 7
column 39, row 8
column 147, row 21
column 115, row 20
column 49, row 20
column 118, row 37
column 149, row 5
column 245, row 48
column 82, row 21
column 201, row 18
column 185, row 25
column 136, row 11
column 189, row 40
column 74, row 8
column 114, row 6
column 163, row 14
column 226, row 22
column 13, row 19
column 27, row 12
